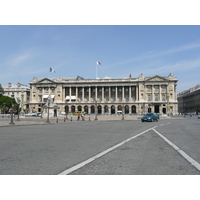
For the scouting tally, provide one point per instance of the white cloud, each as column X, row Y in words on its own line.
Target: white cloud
column 183, row 65
column 19, row 59
column 153, row 54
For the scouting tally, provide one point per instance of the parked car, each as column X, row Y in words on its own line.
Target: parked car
column 198, row 116
column 150, row 117
column 31, row 115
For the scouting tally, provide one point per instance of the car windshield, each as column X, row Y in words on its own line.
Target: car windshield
column 149, row 114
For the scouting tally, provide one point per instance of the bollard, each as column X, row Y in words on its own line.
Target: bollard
column 71, row 119
column 89, row 118
column 57, row 120
column 64, row 119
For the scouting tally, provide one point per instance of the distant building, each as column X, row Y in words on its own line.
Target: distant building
column 189, row 100
column 106, row 96
column 19, row 92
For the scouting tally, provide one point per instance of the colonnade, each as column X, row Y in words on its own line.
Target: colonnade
column 101, row 93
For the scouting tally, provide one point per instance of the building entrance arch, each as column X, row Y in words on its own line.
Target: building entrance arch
column 133, row 109
column 66, row 109
column 106, row 109
column 99, row 109
column 92, row 109
column 112, row 109
column 79, row 108
column 126, row 109
column 86, row 109
column 73, row 109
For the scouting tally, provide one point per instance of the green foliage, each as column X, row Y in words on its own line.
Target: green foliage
column 1, row 91
column 6, row 103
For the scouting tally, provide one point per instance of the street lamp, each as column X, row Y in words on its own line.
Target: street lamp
column 149, row 110
column 48, row 103
column 11, row 119
column 95, row 110
column 123, row 111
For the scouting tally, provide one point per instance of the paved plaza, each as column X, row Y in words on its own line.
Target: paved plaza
column 102, row 147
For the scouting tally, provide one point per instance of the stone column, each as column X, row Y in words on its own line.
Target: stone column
column 76, row 94
column 103, row 94
column 70, row 93
column 152, row 93
column 129, row 93
column 83, row 91
column 160, row 96
column 96, row 93
column 116, row 95
column 89, row 94
column 109, row 94
column 136, row 93
column 63, row 96
column 123, row 93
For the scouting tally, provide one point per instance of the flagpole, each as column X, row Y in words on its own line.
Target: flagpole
column 96, row 69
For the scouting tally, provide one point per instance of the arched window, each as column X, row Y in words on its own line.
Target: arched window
column 79, row 108
column 119, row 108
column 133, row 109
column 86, row 109
column 66, row 109
column 112, row 109
column 92, row 109
column 73, row 108
column 126, row 109
column 99, row 108
column 106, row 109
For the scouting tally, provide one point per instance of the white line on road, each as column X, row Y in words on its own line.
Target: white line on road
column 188, row 158
column 101, row 154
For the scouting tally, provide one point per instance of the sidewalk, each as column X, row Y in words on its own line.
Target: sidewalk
column 70, row 118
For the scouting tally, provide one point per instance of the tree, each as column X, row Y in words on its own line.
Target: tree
column 6, row 104
column 1, row 91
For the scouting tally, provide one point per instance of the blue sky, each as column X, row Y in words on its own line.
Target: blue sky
column 29, row 51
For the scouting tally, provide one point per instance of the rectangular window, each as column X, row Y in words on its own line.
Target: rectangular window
column 149, row 97
column 156, row 97
column 156, row 87
column 163, row 97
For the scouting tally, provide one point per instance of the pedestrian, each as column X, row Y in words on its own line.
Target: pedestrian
column 82, row 116
column 78, row 116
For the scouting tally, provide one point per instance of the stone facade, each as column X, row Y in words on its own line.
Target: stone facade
column 189, row 100
column 106, row 96
column 20, row 92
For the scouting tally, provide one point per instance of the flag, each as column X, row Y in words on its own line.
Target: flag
column 98, row 63
column 52, row 70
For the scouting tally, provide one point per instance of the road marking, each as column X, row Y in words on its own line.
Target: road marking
column 101, row 154
column 162, row 124
column 188, row 158
column 169, row 123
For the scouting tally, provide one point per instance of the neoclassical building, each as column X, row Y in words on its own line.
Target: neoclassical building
column 106, row 96
column 20, row 92
column 189, row 100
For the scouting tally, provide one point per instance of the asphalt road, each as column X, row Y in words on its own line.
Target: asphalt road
column 55, row 148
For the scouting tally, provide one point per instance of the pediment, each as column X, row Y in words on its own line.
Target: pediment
column 45, row 80
column 156, row 78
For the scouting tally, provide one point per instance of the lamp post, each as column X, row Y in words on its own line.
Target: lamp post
column 48, row 103
column 95, row 110
column 168, row 104
column 11, row 119
column 149, row 110
column 122, row 110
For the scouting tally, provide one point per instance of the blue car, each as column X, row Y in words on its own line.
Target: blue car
column 150, row 117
